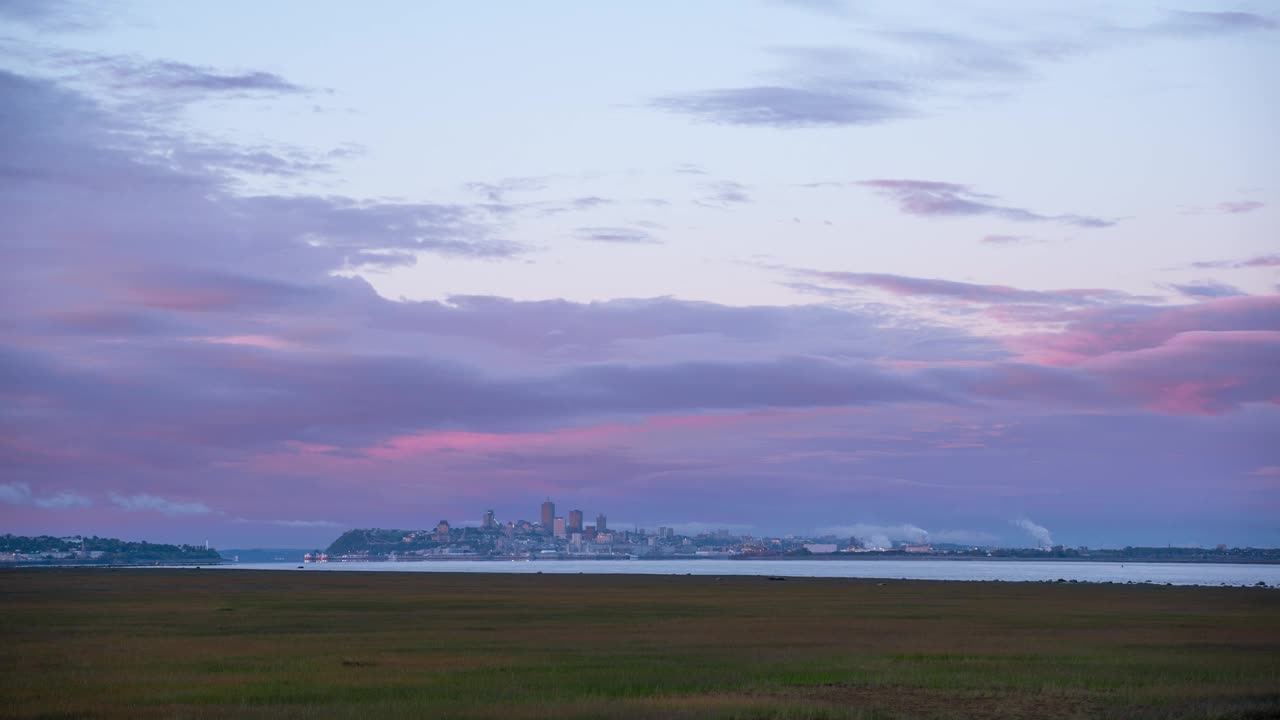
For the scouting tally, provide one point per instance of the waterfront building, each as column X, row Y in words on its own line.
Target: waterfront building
column 559, row 527
column 575, row 521
column 548, row 514
column 602, row 524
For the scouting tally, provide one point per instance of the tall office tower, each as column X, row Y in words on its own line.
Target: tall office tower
column 601, row 525
column 488, row 521
column 548, row 515
column 559, row 527
column 575, row 521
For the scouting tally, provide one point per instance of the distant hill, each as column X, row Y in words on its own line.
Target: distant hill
column 377, row 541
column 95, row 550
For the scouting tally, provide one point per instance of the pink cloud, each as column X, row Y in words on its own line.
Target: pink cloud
column 405, row 446
column 1202, row 373
column 1097, row 331
column 260, row 341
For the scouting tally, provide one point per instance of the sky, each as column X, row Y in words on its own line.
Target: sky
column 970, row 272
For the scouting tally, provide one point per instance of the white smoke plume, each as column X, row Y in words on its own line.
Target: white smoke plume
column 880, row 537
column 1039, row 532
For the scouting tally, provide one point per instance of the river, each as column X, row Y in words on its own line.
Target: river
column 1003, row 570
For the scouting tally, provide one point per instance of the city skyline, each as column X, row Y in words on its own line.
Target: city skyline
column 778, row 266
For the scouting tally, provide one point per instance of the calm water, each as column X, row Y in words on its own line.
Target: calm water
column 1011, row 571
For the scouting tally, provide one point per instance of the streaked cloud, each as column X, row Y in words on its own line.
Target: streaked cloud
column 623, row 235
column 928, row 198
column 143, row 502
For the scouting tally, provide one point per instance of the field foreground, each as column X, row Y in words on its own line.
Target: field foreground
column 297, row 644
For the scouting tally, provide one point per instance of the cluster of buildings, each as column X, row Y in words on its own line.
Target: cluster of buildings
column 569, row 535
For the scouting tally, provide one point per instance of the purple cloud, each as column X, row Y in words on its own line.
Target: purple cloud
column 627, row 236
column 1214, row 23
column 926, row 198
column 52, row 15
column 1242, row 206
column 199, row 361
column 725, row 193
column 1207, row 290
column 1261, row 261
column 143, row 502
column 1098, row 331
column 790, row 107
column 168, row 75
column 852, row 87
column 960, row 291
column 498, row 191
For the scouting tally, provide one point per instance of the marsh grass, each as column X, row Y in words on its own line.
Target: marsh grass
column 186, row 643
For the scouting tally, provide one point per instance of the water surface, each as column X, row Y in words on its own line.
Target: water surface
column 1004, row 570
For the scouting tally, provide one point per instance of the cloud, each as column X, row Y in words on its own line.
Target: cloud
column 1182, row 22
column 19, row 493
column 499, row 190
column 889, row 74
column 1196, row 373
column 199, row 332
column 153, row 503
column 64, row 499
column 381, row 260
column 1260, row 261
column 52, row 15
column 128, row 173
column 166, row 75
column 15, row 493
column 928, row 198
column 1243, row 206
column 1098, row 331
column 1207, row 289
column 1007, row 240
column 1037, row 532
column 725, row 193
column 589, row 202
column 790, row 107
column 908, row 286
column 629, row 236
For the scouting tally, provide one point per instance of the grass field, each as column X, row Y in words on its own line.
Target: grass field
column 290, row 644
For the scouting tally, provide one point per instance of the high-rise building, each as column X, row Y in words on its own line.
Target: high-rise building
column 575, row 521
column 558, row 526
column 601, row 524
column 548, row 515
column 489, row 523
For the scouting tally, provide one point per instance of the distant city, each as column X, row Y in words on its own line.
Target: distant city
column 568, row 536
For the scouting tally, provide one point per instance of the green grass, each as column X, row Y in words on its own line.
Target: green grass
column 202, row 643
